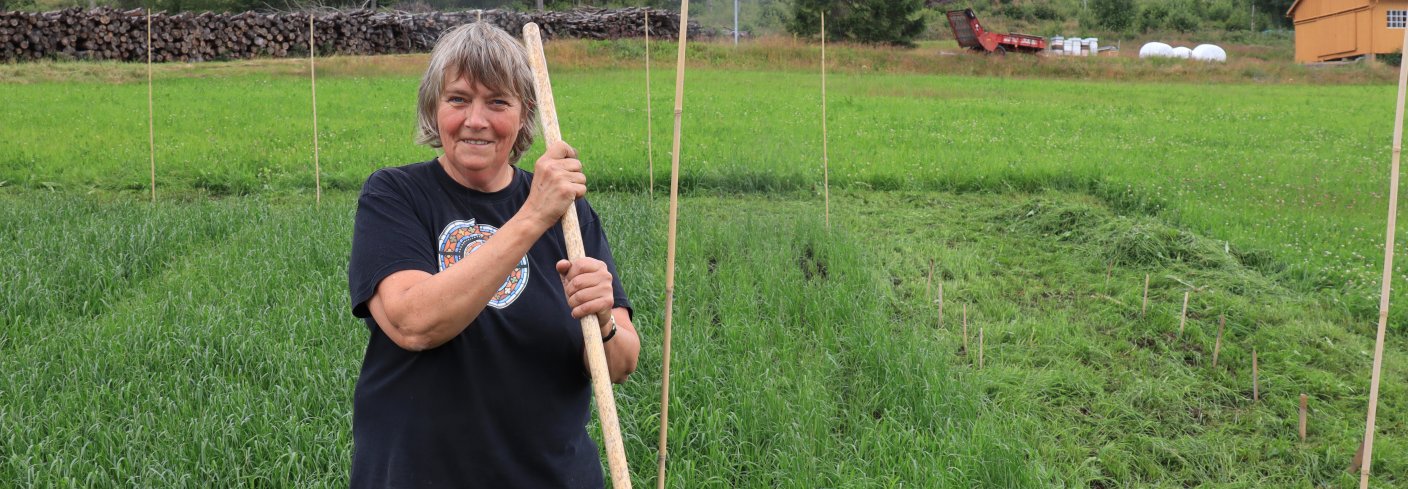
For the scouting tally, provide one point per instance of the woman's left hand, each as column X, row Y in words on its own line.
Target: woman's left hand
column 587, row 282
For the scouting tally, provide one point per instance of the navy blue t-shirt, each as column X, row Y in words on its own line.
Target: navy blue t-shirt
column 505, row 403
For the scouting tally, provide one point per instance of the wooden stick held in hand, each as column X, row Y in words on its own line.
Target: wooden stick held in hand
column 572, row 232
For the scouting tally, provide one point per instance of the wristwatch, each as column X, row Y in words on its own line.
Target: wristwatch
column 612, row 333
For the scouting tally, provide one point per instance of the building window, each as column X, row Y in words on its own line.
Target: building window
column 1397, row 19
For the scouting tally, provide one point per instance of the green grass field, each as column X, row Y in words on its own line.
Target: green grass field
column 206, row 340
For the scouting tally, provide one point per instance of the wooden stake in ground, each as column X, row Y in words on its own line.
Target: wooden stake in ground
column 825, row 168
column 1183, row 318
column 941, row 304
column 1145, row 306
column 571, row 231
column 1217, row 346
column 965, row 329
column 151, row 110
column 1303, row 402
column 1256, row 378
column 670, row 248
column 1388, row 274
column 980, row 347
column 929, row 282
column 313, row 81
column 649, row 146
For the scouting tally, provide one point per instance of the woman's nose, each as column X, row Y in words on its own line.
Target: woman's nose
column 476, row 116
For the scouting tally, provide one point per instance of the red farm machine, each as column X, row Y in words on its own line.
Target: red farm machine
column 970, row 35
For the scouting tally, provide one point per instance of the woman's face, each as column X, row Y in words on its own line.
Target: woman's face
column 478, row 128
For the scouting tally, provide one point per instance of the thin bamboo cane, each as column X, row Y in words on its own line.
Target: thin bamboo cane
column 1256, row 378
column 151, row 110
column 1301, row 426
column 670, row 248
column 965, row 329
column 649, row 131
column 1388, row 275
column 1217, row 346
column 941, row 303
column 1183, row 318
column 1145, row 306
column 825, row 165
column 313, row 82
column 572, row 232
column 929, row 282
column 980, row 347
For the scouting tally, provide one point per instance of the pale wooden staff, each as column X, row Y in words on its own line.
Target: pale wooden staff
column 649, row 146
column 572, row 233
column 313, row 82
column 825, row 170
column 151, row 110
column 1388, row 275
column 670, row 248
column 1301, row 426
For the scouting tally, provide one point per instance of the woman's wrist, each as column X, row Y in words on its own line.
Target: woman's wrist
column 608, row 327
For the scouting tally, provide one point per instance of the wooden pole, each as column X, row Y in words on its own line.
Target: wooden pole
column 825, row 166
column 649, row 131
column 670, row 249
column 965, row 329
column 571, row 231
column 1301, row 426
column 1256, row 378
column 1145, row 307
column 929, row 282
column 151, row 110
column 313, row 81
column 1388, row 275
column 980, row 347
column 941, row 304
column 1183, row 318
column 1217, row 346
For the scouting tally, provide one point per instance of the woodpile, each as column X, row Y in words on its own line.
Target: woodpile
column 110, row 34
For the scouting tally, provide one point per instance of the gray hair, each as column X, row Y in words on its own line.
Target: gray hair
column 484, row 54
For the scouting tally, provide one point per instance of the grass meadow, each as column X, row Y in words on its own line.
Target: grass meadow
column 206, row 340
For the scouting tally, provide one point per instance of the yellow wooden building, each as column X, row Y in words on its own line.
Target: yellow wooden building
column 1328, row 30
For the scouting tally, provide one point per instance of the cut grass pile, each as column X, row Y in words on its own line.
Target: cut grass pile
column 215, row 347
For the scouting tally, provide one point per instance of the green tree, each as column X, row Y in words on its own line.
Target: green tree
column 1116, row 15
column 894, row 22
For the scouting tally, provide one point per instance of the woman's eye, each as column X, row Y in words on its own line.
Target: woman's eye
column 500, row 102
column 456, row 100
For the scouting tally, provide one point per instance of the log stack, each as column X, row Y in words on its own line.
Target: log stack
column 109, row 34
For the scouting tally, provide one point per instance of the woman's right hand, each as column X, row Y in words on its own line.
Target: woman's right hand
column 558, row 182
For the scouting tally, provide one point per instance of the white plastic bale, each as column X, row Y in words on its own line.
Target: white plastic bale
column 1182, row 52
column 1156, row 50
column 1209, row 52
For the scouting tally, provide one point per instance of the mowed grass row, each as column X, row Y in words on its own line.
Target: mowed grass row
column 217, row 350
column 803, row 357
column 1294, row 174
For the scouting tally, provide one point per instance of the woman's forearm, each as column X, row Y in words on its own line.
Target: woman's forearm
column 429, row 310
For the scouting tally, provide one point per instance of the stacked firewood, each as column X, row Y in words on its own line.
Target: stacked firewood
column 110, row 34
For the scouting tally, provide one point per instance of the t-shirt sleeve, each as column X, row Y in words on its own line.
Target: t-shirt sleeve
column 386, row 238
column 595, row 244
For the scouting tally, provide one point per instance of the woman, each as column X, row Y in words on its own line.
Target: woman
column 474, row 374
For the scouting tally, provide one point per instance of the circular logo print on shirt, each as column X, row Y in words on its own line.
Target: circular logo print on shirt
column 460, row 238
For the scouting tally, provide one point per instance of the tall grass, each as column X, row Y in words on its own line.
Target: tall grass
column 1290, row 172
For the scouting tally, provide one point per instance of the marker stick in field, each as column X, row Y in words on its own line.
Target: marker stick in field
column 649, row 146
column 313, row 83
column 151, row 110
column 1388, row 275
column 1217, row 346
column 670, row 247
column 825, row 166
